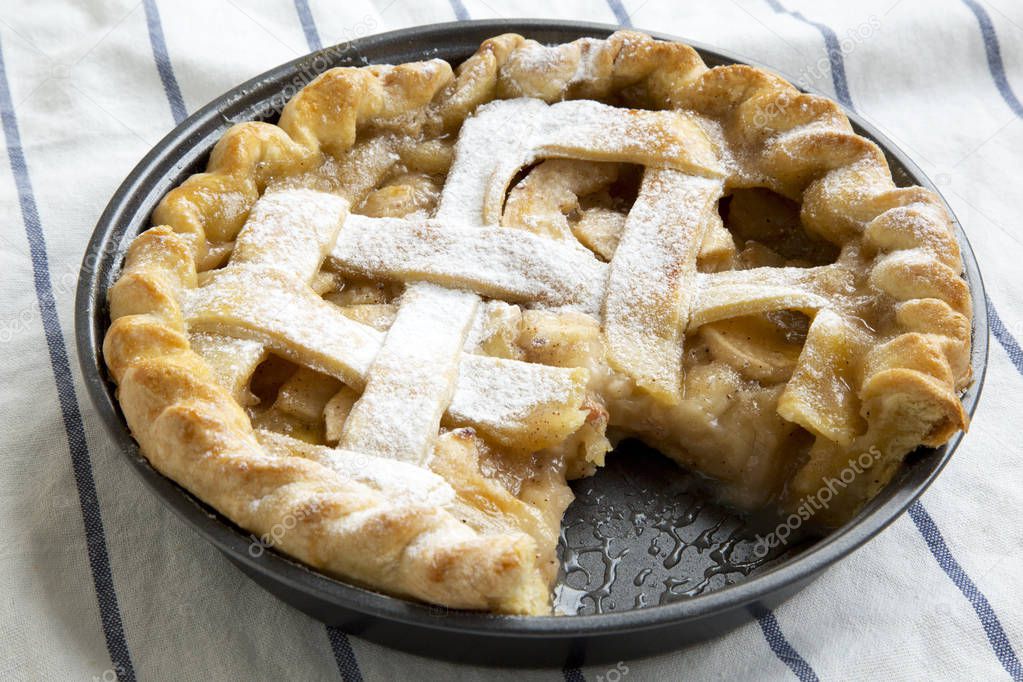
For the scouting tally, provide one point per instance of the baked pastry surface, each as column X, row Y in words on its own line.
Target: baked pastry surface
column 382, row 334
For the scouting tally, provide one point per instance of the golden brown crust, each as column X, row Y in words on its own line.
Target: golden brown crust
column 770, row 135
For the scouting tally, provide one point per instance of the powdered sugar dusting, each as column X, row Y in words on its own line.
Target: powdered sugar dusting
column 510, row 390
column 287, row 230
column 562, row 67
column 507, row 135
column 290, row 230
column 649, row 286
column 497, row 131
column 414, row 372
column 280, row 311
column 590, row 52
column 413, row 376
column 513, row 265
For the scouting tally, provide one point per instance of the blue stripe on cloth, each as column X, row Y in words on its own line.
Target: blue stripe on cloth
column 994, row 56
column 458, row 7
column 831, row 45
column 163, row 63
column 997, row 69
column 929, row 530
column 305, row 16
column 81, row 462
column 785, row 652
column 1010, row 344
column 988, row 618
column 344, row 654
column 573, row 675
column 621, row 15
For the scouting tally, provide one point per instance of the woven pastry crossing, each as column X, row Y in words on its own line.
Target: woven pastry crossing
column 646, row 297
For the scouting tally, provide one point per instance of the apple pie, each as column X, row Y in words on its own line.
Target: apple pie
column 382, row 333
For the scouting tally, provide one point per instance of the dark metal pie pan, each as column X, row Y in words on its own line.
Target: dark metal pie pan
column 650, row 564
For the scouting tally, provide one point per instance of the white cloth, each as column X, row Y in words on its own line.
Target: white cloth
column 938, row 594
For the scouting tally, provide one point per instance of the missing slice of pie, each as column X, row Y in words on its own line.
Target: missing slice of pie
column 387, row 330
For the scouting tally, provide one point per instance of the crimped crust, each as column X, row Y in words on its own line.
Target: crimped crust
column 906, row 378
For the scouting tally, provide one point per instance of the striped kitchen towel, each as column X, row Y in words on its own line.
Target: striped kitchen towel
column 100, row 581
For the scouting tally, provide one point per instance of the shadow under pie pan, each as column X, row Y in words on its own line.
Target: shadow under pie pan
column 650, row 563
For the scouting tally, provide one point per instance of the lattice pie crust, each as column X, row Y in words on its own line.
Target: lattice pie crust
column 395, row 323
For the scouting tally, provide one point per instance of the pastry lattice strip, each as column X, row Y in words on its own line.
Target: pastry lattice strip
column 649, row 288
column 735, row 293
column 413, row 377
column 511, row 265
